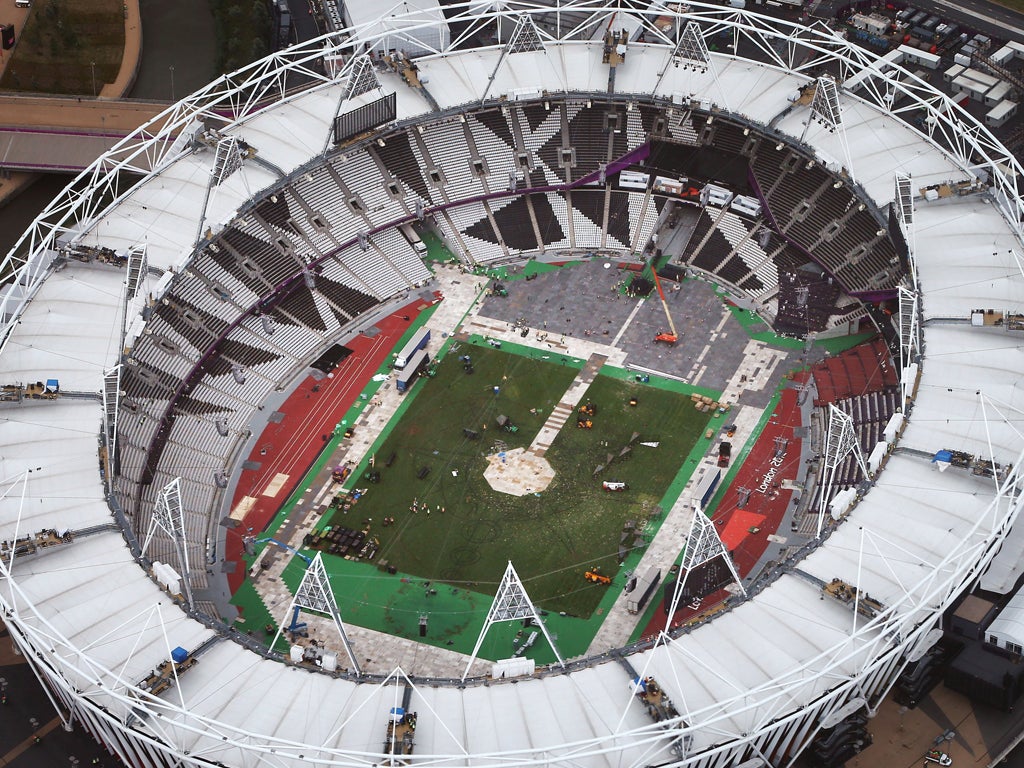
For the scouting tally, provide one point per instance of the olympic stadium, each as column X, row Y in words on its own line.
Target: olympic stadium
column 169, row 289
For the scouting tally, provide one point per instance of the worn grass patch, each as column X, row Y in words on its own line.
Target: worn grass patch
column 61, row 44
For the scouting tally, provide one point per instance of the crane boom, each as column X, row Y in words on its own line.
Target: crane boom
column 673, row 337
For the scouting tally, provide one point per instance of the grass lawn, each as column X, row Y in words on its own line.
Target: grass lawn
column 551, row 537
column 61, row 41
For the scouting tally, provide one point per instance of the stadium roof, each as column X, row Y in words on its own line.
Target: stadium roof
column 785, row 656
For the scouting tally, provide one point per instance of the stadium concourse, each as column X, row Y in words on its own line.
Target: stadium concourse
column 202, row 267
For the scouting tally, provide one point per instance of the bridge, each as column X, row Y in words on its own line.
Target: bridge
column 61, row 134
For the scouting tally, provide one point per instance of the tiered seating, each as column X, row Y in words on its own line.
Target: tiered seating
column 591, row 203
column 494, row 142
column 482, row 251
column 348, row 301
column 762, row 277
column 391, row 246
column 588, row 135
column 619, row 220
column 325, row 200
column 252, row 245
column 512, row 216
column 824, row 220
column 447, row 149
column 643, row 221
column 870, row 413
column 215, row 276
column 402, row 159
column 708, row 249
column 542, row 136
column 866, row 368
column 636, row 132
column 807, row 299
column 721, row 134
column 373, row 271
column 363, row 178
column 559, row 223
column 680, row 128
column 588, row 232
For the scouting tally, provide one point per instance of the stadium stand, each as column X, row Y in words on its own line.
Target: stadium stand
column 758, row 679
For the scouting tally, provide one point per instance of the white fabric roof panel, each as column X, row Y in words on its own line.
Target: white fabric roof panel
column 880, row 146
column 100, row 597
column 970, row 394
column 965, row 258
column 83, row 591
column 1008, row 564
column 70, row 331
column 169, row 226
column 909, row 522
column 56, row 440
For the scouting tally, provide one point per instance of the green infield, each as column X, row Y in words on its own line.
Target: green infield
column 462, row 531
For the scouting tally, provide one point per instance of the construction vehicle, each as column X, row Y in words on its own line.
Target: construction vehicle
column 595, row 576
column 724, row 452
column 937, row 756
column 285, row 547
column 667, row 338
column 506, row 424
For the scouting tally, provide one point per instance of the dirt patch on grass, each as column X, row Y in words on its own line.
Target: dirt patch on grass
column 518, row 472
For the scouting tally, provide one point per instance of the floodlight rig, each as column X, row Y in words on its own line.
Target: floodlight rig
column 525, row 38
column 840, row 441
column 315, row 594
column 910, row 337
column 691, row 52
column 511, row 603
column 826, row 111
column 905, row 215
column 169, row 517
column 702, row 546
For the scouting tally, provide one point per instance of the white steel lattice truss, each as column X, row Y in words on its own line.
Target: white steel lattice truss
column 825, row 110
column 511, row 603
column 702, row 546
column 905, row 214
column 315, row 594
column 839, row 442
column 362, row 78
column 691, row 51
column 227, row 102
column 910, row 337
column 111, row 405
column 138, row 269
column 525, row 37
column 169, row 517
column 229, row 158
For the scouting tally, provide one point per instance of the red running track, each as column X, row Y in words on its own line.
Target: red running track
column 286, row 449
column 763, row 474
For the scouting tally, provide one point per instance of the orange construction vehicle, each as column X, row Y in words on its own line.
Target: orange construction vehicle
column 668, row 338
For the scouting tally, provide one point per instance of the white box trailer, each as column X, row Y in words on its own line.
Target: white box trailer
column 1004, row 55
column 917, row 56
column 1000, row 113
column 953, row 72
column 972, row 88
column 1000, row 92
column 984, row 78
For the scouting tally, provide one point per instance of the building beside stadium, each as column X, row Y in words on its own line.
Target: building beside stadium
column 178, row 280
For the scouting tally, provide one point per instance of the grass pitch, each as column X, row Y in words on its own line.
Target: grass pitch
column 552, row 537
